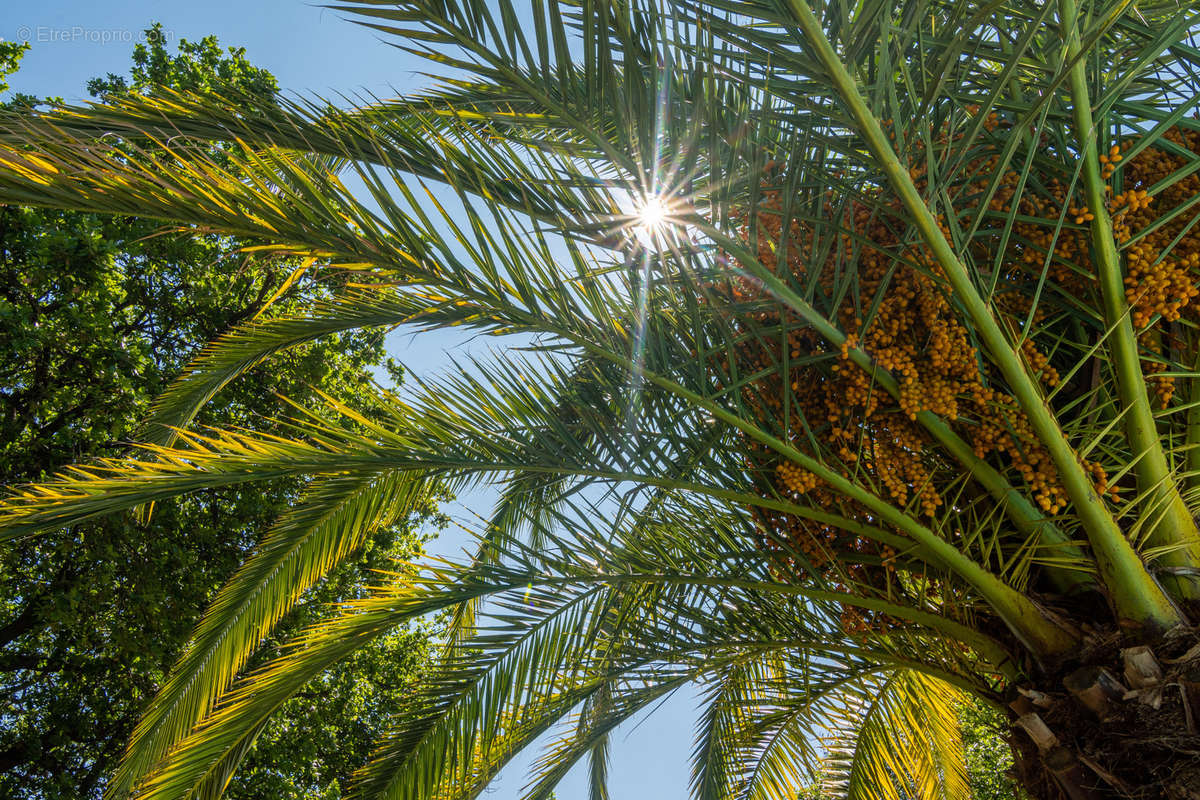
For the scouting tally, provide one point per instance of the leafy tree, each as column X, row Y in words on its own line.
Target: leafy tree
column 97, row 316
column 893, row 394
column 198, row 67
column 10, row 57
column 988, row 754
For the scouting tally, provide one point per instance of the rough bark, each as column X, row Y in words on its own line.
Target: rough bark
column 1120, row 722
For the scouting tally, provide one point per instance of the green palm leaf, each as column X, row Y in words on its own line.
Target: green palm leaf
column 329, row 524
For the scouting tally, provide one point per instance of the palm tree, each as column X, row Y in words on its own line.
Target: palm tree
column 858, row 368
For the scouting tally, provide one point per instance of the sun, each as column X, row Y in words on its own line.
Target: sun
column 653, row 213
column 652, row 220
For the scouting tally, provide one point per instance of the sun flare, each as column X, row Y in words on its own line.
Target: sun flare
column 651, row 221
column 653, row 213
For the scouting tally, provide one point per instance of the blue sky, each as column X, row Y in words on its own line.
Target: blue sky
column 310, row 49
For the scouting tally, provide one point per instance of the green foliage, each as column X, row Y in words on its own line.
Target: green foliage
column 97, row 315
column 987, row 759
column 985, row 733
column 10, row 59
column 198, row 67
column 326, row 731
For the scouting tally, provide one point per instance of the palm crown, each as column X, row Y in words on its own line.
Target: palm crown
column 865, row 416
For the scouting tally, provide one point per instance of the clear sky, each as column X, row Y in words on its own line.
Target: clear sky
column 310, row 49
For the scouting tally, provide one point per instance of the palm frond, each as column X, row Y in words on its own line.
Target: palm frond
column 330, row 523
column 900, row 739
column 251, row 343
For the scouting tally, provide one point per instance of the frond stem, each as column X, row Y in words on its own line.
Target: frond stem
column 1027, row 519
column 1138, row 598
column 1174, row 529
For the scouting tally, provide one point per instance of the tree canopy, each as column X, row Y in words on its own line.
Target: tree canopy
column 98, row 315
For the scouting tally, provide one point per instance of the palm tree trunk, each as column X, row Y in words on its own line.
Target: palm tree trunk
column 1123, row 724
